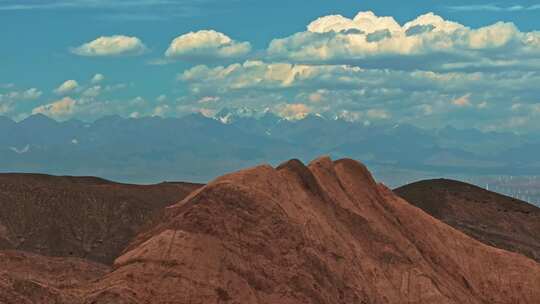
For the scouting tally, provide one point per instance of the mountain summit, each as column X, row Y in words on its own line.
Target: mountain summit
column 323, row 233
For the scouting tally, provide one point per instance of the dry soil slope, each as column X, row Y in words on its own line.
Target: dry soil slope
column 489, row 217
column 27, row 278
column 82, row 217
column 326, row 233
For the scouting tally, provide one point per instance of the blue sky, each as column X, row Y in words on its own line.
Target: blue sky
column 469, row 64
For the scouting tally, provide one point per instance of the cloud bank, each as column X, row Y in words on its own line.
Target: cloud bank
column 494, row 8
column 427, row 42
column 429, row 71
column 59, row 109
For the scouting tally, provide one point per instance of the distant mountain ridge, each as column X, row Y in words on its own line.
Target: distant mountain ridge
column 489, row 217
column 198, row 148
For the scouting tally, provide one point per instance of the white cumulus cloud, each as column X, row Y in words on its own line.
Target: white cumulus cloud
column 92, row 91
column 32, row 94
column 29, row 94
column 10, row 101
column 111, row 46
column 206, row 44
column 97, row 78
column 67, row 87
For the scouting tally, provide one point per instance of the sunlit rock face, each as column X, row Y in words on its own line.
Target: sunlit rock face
column 322, row 233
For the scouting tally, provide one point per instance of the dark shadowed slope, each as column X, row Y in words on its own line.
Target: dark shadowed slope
column 489, row 217
column 325, row 233
column 83, row 217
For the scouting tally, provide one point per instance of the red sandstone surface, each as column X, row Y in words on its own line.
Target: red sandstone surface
column 323, row 233
column 27, row 278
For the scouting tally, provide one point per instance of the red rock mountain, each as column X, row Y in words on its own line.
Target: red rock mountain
column 326, row 233
column 323, row 233
column 489, row 217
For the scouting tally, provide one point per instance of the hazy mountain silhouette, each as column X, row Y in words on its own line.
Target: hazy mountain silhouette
column 198, row 148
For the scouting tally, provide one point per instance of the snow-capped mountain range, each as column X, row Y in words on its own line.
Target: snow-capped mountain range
column 198, row 148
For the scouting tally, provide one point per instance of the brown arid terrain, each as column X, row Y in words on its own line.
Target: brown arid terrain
column 83, row 217
column 27, row 278
column 491, row 218
column 322, row 233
